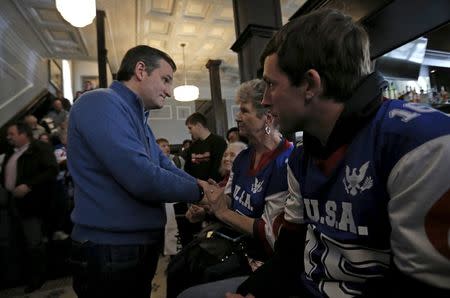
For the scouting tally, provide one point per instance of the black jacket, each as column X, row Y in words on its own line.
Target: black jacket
column 37, row 168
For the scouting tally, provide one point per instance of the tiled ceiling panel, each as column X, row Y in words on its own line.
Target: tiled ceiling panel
column 60, row 39
column 196, row 8
column 159, row 6
column 206, row 26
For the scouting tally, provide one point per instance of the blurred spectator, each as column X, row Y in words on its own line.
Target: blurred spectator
column 32, row 122
column 58, row 114
column 165, row 148
column 28, row 174
column 186, row 144
column 234, row 136
column 88, row 86
column 205, row 154
column 172, row 244
column 44, row 137
column 203, row 159
column 77, row 95
column 65, row 102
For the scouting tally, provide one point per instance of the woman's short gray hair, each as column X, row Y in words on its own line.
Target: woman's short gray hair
column 253, row 92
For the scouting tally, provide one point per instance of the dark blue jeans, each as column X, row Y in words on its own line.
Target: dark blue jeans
column 113, row 270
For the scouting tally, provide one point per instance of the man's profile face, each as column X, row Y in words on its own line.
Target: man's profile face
column 154, row 88
column 57, row 105
column 194, row 130
column 285, row 100
column 15, row 138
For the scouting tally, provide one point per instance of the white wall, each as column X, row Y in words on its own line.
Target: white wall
column 174, row 129
column 83, row 68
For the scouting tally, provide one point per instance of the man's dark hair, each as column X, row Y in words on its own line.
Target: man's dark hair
column 197, row 118
column 161, row 140
column 187, row 141
column 148, row 55
column 22, row 127
column 329, row 42
column 233, row 129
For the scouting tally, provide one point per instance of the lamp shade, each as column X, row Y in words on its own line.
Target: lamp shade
column 79, row 13
column 186, row 93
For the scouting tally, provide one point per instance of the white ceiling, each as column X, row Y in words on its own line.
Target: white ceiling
column 207, row 28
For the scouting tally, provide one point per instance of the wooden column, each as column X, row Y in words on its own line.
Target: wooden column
column 101, row 49
column 220, row 124
column 255, row 23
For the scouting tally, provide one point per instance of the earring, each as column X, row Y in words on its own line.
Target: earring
column 267, row 129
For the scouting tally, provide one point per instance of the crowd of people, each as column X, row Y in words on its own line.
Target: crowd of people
column 358, row 208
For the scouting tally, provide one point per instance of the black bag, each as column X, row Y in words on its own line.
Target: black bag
column 209, row 257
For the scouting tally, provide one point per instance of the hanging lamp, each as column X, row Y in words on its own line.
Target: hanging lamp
column 185, row 92
column 78, row 13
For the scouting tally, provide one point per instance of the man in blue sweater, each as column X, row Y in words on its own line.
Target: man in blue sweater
column 122, row 179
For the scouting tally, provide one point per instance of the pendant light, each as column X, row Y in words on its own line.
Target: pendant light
column 78, row 13
column 185, row 92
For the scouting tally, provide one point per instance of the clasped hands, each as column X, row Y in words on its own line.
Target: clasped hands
column 213, row 202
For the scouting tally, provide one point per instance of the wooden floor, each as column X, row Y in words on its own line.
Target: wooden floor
column 62, row 288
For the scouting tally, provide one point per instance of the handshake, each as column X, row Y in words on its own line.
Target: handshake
column 214, row 202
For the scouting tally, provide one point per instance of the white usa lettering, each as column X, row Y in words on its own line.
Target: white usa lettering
column 339, row 217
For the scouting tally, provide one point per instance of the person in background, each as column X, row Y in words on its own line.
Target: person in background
column 172, row 244
column 61, row 200
column 164, row 145
column 65, row 102
column 32, row 122
column 234, row 136
column 122, row 179
column 45, row 137
column 58, row 114
column 77, row 95
column 185, row 145
column 368, row 188
column 28, row 174
column 205, row 153
column 197, row 213
column 87, row 86
column 254, row 198
column 203, row 160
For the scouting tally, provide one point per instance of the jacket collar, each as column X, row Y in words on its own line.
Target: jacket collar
column 358, row 110
column 131, row 98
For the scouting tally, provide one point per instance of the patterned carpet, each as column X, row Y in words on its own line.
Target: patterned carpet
column 62, row 288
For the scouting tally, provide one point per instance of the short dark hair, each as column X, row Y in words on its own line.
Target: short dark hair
column 329, row 42
column 233, row 129
column 148, row 55
column 161, row 140
column 197, row 118
column 22, row 127
column 187, row 141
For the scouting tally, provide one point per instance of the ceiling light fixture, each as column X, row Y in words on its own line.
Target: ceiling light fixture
column 185, row 92
column 78, row 13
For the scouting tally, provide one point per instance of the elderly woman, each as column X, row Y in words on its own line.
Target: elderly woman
column 254, row 197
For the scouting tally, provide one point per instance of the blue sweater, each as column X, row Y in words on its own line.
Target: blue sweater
column 121, row 177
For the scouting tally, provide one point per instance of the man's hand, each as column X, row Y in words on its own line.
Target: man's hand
column 21, row 190
column 195, row 214
column 216, row 199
